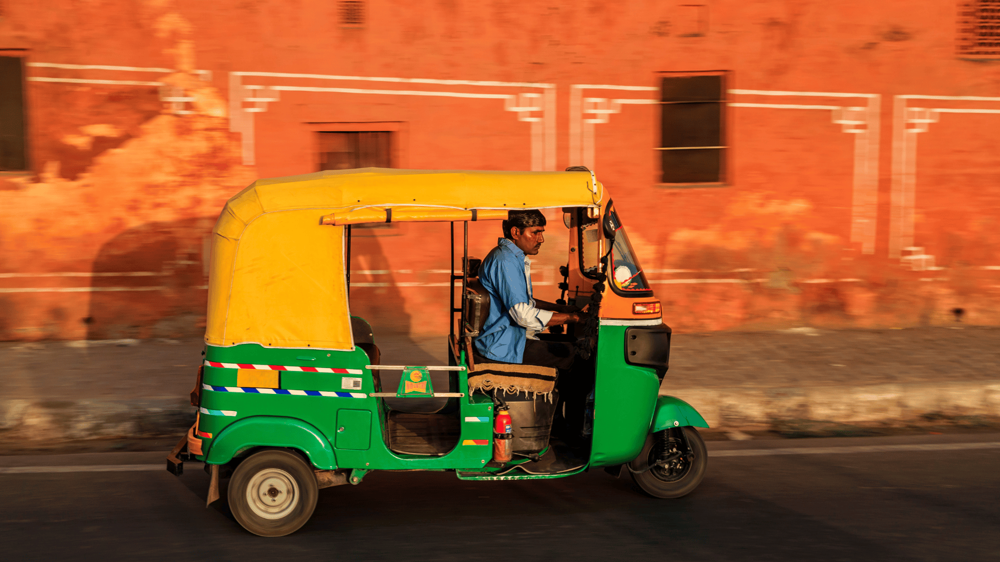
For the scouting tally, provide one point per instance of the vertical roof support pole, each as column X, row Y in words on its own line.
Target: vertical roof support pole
column 465, row 273
column 347, row 265
column 451, row 244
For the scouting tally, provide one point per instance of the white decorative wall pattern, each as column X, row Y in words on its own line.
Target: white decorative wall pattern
column 908, row 121
column 534, row 103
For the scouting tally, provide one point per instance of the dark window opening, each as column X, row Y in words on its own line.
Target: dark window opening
column 352, row 12
column 13, row 144
column 692, row 148
column 362, row 149
column 979, row 28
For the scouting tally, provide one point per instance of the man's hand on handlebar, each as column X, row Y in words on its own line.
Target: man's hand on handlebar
column 560, row 318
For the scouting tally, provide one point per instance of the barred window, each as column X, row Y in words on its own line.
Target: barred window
column 979, row 28
column 692, row 149
column 13, row 144
column 352, row 13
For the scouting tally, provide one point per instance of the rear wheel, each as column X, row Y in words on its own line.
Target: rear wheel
column 273, row 493
column 672, row 463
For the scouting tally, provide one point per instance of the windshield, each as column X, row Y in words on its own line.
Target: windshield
column 625, row 272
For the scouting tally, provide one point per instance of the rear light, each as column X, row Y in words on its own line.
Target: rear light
column 646, row 308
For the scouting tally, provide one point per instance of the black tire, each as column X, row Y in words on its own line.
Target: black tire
column 273, row 493
column 682, row 476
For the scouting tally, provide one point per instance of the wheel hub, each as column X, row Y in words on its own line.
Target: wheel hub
column 673, row 466
column 272, row 493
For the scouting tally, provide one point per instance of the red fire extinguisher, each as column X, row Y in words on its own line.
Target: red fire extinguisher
column 503, row 435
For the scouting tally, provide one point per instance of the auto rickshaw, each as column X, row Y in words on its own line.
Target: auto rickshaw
column 290, row 398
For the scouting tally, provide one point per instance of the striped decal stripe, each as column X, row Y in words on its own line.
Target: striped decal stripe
column 476, row 442
column 227, row 413
column 245, row 390
column 283, row 368
column 476, row 419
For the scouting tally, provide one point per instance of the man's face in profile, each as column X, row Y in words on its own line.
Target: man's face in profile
column 529, row 240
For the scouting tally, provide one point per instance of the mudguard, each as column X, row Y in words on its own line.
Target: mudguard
column 272, row 431
column 674, row 412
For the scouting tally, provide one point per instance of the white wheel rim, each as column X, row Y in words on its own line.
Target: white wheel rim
column 272, row 493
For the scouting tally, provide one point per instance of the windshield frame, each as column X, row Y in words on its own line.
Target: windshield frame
column 610, row 212
column 608, row 270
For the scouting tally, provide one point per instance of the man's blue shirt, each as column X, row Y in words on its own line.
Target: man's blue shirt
column 503, row 275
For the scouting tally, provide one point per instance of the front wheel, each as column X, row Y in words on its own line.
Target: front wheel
column 273, row 493
column 672, row 463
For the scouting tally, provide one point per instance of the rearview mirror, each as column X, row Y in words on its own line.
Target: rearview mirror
column 610, row 223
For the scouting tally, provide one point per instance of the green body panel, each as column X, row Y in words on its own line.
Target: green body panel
column 347, row 430
column 354, row 429
column 268, row 431
column 624, row 399
column 674, row 412
column 361, row 444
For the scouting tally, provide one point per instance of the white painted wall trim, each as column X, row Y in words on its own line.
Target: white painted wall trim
column 533, row 103
column 585, row 113
column 861, row 120
column 169, row 94
column 907, row 123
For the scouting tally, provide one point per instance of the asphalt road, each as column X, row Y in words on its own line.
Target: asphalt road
column 896, row 498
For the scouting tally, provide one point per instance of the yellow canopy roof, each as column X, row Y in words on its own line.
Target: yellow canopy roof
column 386, row 187
column 276, row 274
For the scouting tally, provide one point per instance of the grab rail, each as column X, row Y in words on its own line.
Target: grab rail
column 401, row 367
column 435, row 395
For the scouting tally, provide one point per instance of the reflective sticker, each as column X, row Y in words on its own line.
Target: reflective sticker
column 327, row 393
column 474, row 419
column 227, row 413
column 476, row 442
column 219, row 365
column 350, row 383
column 257, row 378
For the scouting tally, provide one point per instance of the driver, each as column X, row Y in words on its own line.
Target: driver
column 515, row 316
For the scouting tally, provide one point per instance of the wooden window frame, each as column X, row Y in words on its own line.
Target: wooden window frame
column 724, row 147
column 25, row 168
column 397, row 129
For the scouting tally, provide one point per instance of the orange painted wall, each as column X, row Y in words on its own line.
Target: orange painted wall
column 104, row 236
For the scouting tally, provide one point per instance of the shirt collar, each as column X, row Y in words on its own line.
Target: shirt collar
column 506, row 243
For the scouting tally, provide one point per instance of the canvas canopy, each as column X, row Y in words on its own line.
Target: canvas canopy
column 277, row 272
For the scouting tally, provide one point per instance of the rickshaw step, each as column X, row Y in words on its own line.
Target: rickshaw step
column 486, row 476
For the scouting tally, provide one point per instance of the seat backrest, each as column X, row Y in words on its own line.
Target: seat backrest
column 476, row 303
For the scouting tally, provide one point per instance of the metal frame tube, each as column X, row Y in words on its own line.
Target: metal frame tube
column 348, row 264
column 451, row 243
column 465, row 273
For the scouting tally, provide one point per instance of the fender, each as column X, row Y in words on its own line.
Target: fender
column 674, row 412
column 272, row 431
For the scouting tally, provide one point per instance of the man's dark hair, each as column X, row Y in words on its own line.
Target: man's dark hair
column 522, row 220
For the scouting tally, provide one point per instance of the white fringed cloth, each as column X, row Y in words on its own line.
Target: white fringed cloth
column 509, row 378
